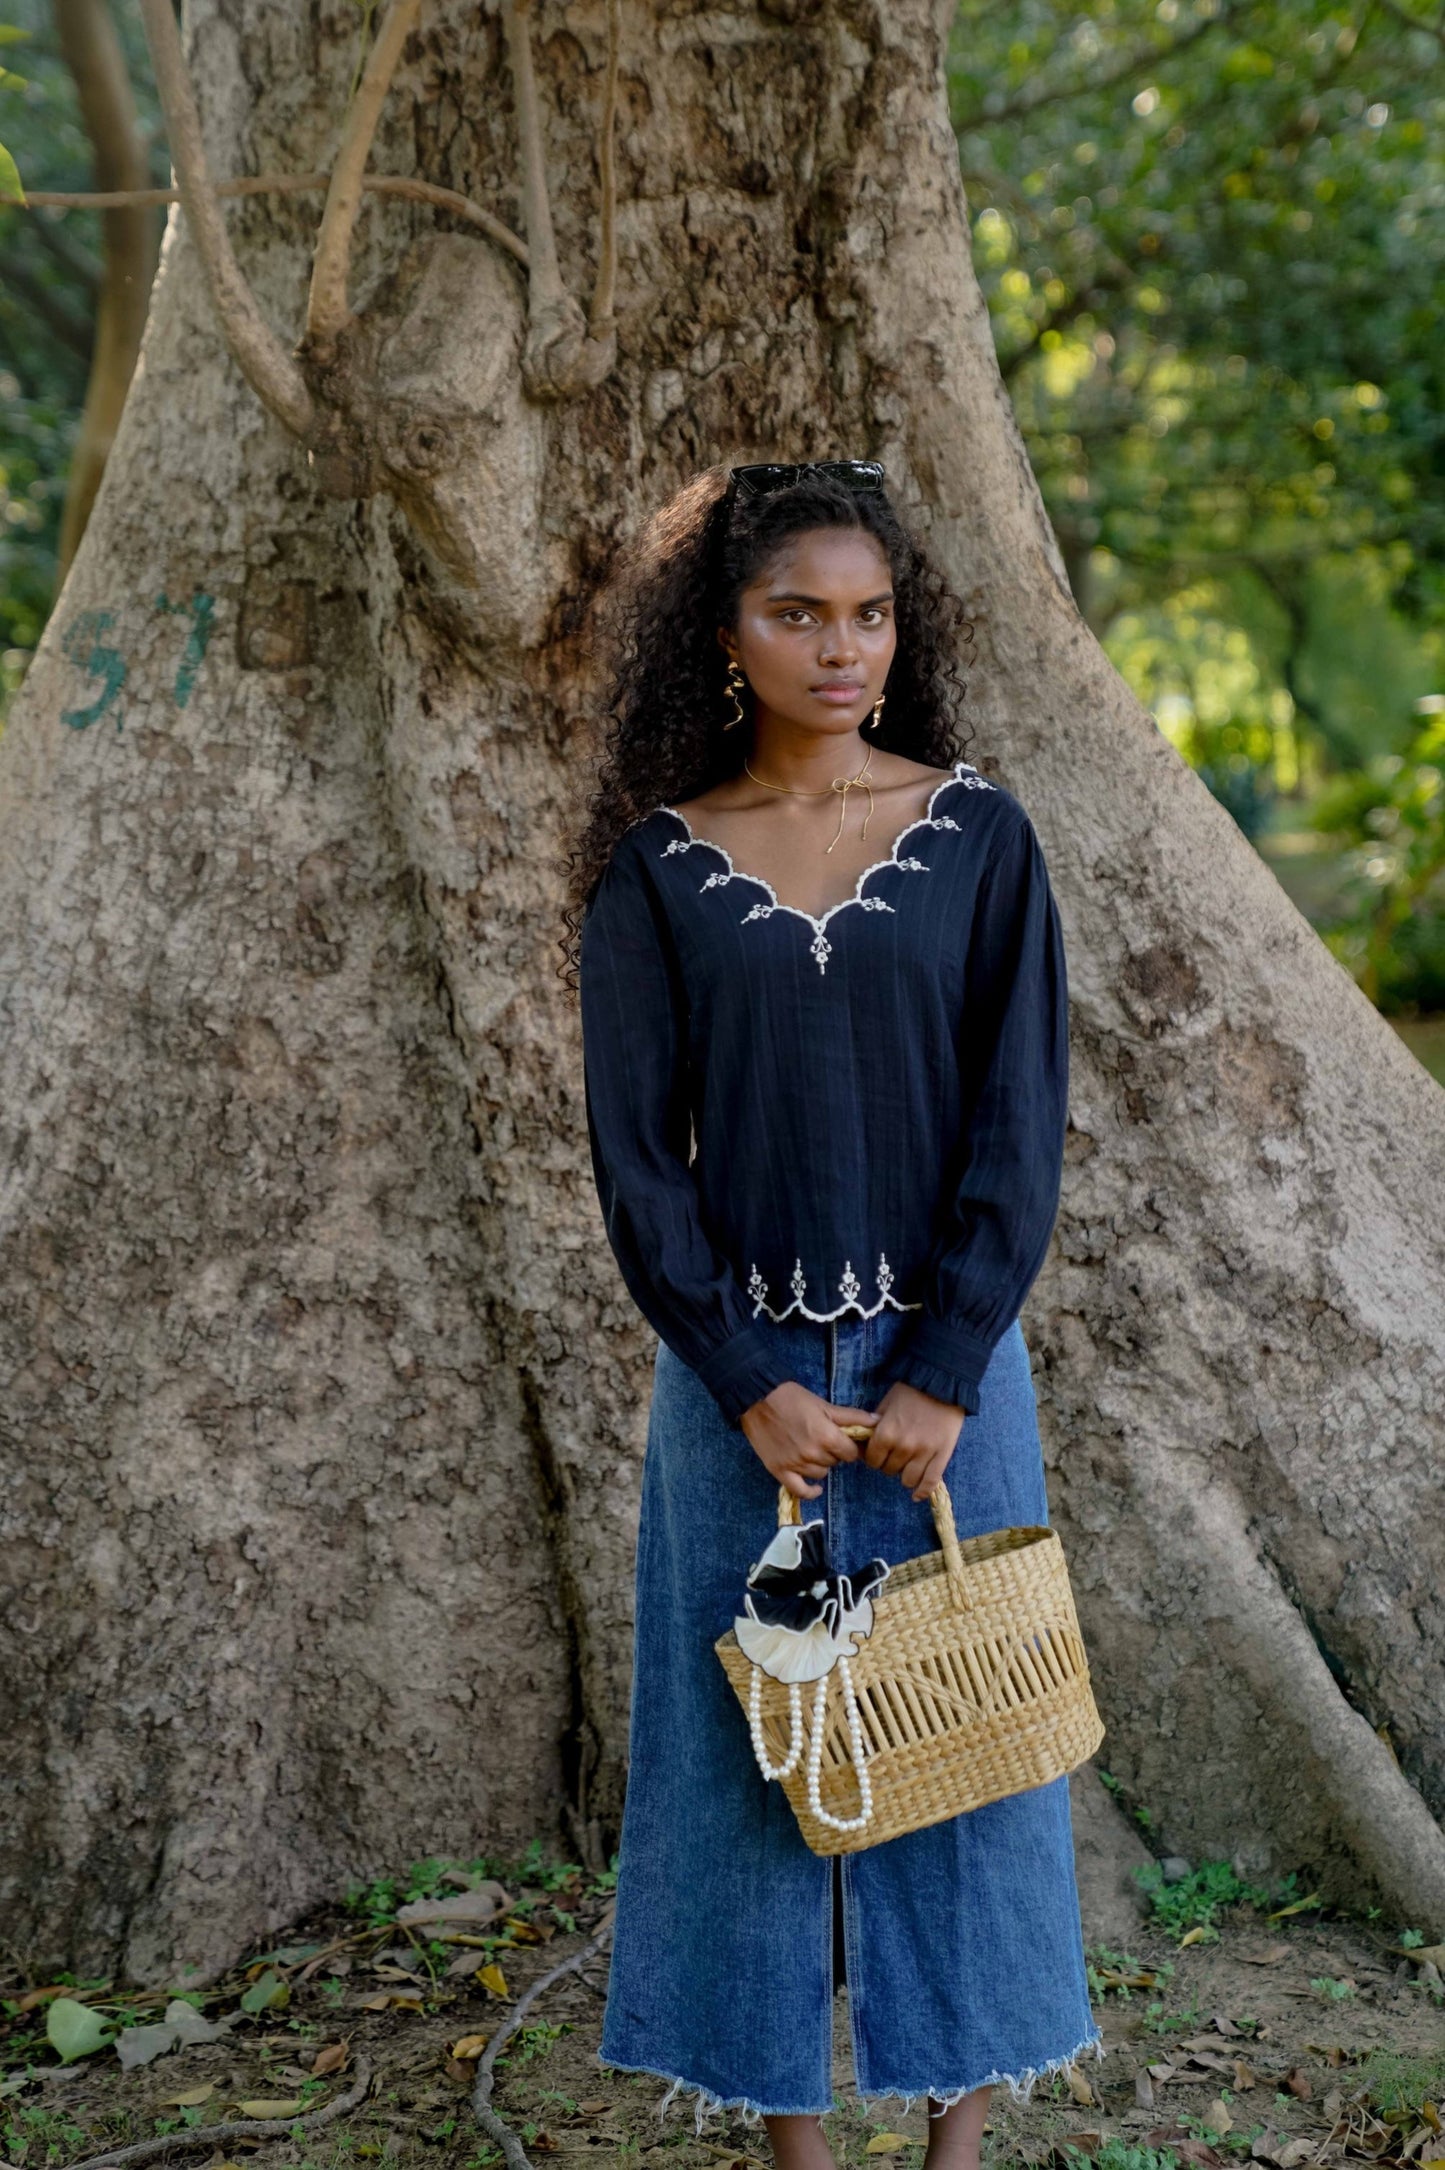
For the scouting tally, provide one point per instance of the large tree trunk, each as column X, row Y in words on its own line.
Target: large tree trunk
column 324, row 1404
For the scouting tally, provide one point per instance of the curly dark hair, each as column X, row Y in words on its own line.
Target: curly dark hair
column 663, row 737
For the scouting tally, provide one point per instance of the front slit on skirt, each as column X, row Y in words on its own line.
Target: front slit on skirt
column 961, row 1944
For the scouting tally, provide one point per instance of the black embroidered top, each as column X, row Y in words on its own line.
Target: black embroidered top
column 878, row 1096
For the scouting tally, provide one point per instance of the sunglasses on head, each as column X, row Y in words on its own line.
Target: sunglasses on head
column 769, row 475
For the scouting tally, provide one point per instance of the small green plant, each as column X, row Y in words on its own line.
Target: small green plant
column 1396, row 2080
column 1336, row 1990
column 1194, row 1900
column 535, row 1868
column 1158, row 2020
column 1409, row 1938
column 1117, row 2154
column 533, row 2042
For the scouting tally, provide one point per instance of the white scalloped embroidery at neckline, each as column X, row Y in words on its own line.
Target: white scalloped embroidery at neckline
column 962, row 772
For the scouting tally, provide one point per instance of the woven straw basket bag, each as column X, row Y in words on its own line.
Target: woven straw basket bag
column 969, row 1683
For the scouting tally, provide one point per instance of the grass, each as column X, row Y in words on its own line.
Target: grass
column 1396, row 2081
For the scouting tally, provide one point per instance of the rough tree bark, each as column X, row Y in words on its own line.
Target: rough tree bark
column 323, row 1403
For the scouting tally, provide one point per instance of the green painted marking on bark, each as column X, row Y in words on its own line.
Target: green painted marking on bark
column 82, row 645
column 201, row 610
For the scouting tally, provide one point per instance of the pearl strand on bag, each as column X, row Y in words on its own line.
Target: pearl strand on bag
column 795, row 1727
column 860, row 1760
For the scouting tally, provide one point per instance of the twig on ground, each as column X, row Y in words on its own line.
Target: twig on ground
column 241, row 2128
column 512, row 2149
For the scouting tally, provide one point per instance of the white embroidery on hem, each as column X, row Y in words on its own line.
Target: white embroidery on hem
column 848, row 1282
column 963, row 772
column 1019, row 2084
column 705, row 2103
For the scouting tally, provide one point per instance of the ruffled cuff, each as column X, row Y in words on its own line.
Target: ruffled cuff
column 744, row 1369
column 946, row 1361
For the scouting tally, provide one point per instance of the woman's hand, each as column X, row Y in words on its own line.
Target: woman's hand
column 914, row 1437
column 797, row 1436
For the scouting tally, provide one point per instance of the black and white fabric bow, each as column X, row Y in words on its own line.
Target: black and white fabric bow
column 800, row 1616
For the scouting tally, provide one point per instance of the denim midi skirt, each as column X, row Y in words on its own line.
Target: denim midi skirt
column 961, row 1945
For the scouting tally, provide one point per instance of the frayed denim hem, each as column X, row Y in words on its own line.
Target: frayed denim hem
column 1019, row 2084
column 706, row 2104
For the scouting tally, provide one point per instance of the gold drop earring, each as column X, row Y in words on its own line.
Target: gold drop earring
column 735, row 684
column 872, row 723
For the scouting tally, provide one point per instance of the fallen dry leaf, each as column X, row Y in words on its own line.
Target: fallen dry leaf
column 470, row 2046
column 1300, row 1906
column 1192, row 1936
column 1298, row 2083
column 1079, row 2086
column 592, row 2109
column 1270, row 1958
column 886, row 2143
column 391, row 2000
column 1184, row 2145
column 1422, row 1954
column 482, row 1904
column 189, row 2099
column 264, row 2106
column 331, row 2057
column 1216, row 2116
column 1245, row 2076
column 1143, row 2090
column 493, row 1978
column 1226, row 2025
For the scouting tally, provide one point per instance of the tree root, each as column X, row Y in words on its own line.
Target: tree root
column 512, row 2149
column 247, row 2128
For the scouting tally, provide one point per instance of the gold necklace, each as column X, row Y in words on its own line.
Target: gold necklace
column 840, row 783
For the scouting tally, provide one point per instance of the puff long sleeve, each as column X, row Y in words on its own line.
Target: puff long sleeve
column 1000, row 1206
column 635, row 1071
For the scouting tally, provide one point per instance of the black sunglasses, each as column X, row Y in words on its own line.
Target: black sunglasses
column 771, row 475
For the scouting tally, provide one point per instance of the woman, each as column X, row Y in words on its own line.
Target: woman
column 826, row 948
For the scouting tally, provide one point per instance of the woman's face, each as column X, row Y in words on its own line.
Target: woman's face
column 818, row 617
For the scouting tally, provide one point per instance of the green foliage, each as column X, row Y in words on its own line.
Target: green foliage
column 1389, row 819
column 49, row 268
column 1194, row 1901
column 1117, row 2154
column 1211, row 239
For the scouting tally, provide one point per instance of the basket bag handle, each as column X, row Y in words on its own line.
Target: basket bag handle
column 790, row 1509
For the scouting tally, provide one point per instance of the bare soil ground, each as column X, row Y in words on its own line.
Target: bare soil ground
column 1304, row 2040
